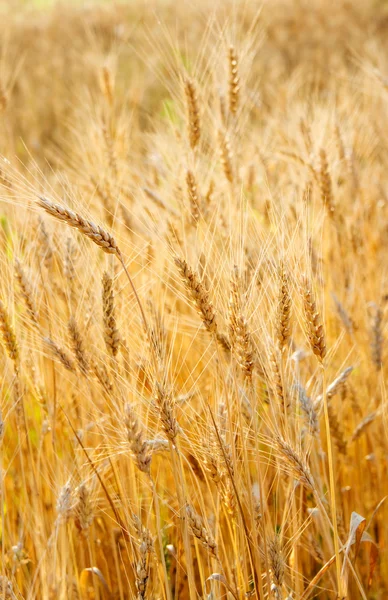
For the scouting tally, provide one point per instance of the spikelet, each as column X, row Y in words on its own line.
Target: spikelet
column 65, row 504
column 165, row 404
column 277, row 566
column 8, row 334
column 239, row 334
column 226, row 156
column 363, row 425
column 295, row 463
column 111, row 333
column 279, row 390
column 102, row 375
column 194, row 198
column 343, row 315
column 199, row 531
column 325, row 183
column 209, row 194
column 234, row 81
column 336, row 386
column 377, row 338
column 83, row 509
column 314, row 325
column 78, row 346
column 309, row 411
column 211, row 463
column 145, row 552
column 193, row 119
column 60, row 354
column 140, row 448
column 283, row 331
column 223, row 341
column 45, row 247
column 336, row 431
column 26, row 292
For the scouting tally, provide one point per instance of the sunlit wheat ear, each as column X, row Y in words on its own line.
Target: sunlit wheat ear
column 97, row 234
column 60, row 354
column 325, row 183
column 335, row 386
column 377, row 337
column 234, row 81
column 166, row 408
column 226, row 156
column 65, row 503
column 45, row 246
column 198, row 294
column 309, row 411
column 295, row 463
column 8, row 334
column 313, row 321
column 111, row 333
column 145, row 553
column 83, row 510
column 199, row 531
column 277, row 563
column 78, row 346
column 140, row 448
column 363, row 425
column 194, row 199
column 280, row 392
column 26, row 292
column 101, row 372
column 344, row 316
column 240, row 336
column 283, row 329
column 194, row 125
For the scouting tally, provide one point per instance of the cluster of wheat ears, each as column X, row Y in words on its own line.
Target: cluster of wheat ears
column 193, row 295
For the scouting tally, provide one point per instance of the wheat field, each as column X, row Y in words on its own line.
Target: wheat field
column 194, row 300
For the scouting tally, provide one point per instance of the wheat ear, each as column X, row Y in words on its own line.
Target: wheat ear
column 194, row 126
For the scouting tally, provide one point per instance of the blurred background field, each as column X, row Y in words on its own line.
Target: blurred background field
column 223, row 435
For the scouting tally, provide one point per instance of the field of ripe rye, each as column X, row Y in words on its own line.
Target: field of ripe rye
column 194, row 300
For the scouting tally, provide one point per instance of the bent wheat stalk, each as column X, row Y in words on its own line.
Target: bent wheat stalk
column 94, row 232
